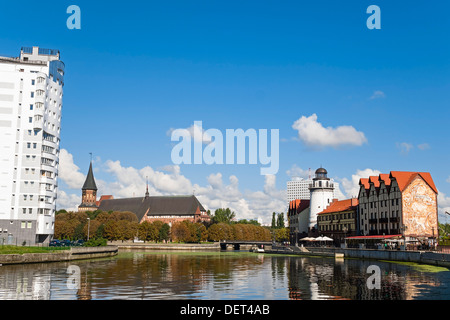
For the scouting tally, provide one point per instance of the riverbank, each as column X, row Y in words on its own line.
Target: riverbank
column 423, row 257
column 75, row 253
column 165, row 246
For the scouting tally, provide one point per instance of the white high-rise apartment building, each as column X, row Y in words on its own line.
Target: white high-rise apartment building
column 31, row 91
column 298, row 188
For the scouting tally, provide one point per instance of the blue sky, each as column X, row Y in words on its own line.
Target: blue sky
column 138, row 69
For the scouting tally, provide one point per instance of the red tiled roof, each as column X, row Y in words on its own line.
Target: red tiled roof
column 364, row 182
column 104, row 197
column 404, row 178
column 298, row 205
column 342, row 205
column 375, row 180
column 385, row 177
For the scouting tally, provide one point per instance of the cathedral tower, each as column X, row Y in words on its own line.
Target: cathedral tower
column 89, row 193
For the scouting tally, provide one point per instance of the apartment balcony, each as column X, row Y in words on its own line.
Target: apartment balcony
column 45, row 179
column 373, row 221
column 394, row 219
column 383, row 220
column 38, row 123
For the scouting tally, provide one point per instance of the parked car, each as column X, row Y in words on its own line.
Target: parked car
column 66, row 243
column 78, row 243
column 55, row 243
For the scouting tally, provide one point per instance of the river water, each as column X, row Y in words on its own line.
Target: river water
column 221, row 276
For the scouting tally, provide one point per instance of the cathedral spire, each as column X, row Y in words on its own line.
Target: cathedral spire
column 89, row 184
column 89, row 192
column 147, row 194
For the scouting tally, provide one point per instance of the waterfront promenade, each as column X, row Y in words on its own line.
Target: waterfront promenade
column 425, row 257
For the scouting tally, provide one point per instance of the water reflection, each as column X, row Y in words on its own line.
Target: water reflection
column 221, row 276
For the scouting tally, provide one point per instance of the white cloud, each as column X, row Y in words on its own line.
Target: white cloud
column 131, row 182
column 423, row 146
column 378, row 94
column 443, row 206
column 297, row 172
column 351, row 186
column 404, row 147
column 70, row 202
column 69, row 172
column 314, row 134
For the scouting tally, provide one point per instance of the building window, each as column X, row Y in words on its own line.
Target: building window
column 31, row 107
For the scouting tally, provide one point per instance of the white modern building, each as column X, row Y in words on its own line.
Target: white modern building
column 31, row 91
column 298, row 188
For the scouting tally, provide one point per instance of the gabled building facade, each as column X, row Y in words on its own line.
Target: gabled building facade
column 399, row 203
column 298, row 218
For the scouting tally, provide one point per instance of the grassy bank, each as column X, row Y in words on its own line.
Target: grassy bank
column 8, row 249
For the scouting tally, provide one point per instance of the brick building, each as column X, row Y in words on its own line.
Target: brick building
column 399, row 203
column 168, row 209
column 339, row 220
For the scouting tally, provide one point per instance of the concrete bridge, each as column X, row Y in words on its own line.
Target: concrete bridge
column 247, row 244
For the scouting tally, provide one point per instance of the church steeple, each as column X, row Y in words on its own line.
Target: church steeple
column 89, row 192
column 147, row 194
column 89, row 184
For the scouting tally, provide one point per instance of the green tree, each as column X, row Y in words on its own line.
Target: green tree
column 164, row 232
column 280, row 220
column 223, row 216
column 274, row 223
column 281, row 234
column 220, row 231
column 180, row 232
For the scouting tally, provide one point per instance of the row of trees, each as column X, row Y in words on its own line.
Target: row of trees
column 124, row 226
column 444, row 233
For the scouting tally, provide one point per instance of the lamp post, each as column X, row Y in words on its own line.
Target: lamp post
column 89, row 224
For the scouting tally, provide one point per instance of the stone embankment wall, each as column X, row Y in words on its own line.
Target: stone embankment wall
column 65, row 255
column 426, row 257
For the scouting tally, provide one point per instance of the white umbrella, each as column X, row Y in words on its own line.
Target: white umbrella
column 307, row 239
column 323, row 239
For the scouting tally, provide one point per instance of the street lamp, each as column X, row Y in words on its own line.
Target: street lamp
column 89, row 224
